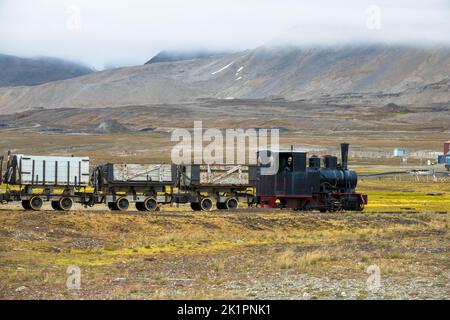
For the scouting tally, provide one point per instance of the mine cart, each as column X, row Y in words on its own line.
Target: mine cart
column 37, row 179
column 146, row 185
column 226, row 185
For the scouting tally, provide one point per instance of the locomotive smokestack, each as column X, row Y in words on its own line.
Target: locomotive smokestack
column 344, row 155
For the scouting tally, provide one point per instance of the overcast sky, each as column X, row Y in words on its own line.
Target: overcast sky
column 129, row 32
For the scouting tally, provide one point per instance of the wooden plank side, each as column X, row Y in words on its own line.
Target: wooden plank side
column 142, row 172
column 224, row 174
column 35, row 164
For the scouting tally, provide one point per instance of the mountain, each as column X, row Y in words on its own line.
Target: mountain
column 180, row 55
column 15, row 71
column 371, row 74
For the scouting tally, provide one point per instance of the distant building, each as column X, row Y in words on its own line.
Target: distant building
column 398, row 152
column 447, row 155
column 446, row 147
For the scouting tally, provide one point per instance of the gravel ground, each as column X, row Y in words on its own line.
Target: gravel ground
column 268, row 254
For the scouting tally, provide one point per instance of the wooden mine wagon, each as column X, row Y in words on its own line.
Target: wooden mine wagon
column 34, row 180
column 146, row 185
column 226, row 185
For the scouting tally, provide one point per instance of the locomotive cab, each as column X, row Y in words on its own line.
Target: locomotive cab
column 293, row 178
column 292, row 185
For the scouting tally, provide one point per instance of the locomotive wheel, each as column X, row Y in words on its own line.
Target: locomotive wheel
column 231, row 204
column 122, row 204
column 195, row 206
column 206, row 204
column 306, row 206
column 35, row 203
column 360, row 206
column 65, row 204
column 55, row 205
column 26, row 205
column 150, row 204
column 221, row 206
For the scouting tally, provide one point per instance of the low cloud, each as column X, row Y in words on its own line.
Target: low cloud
column 129, row 32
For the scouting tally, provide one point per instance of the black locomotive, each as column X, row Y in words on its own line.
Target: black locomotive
column 305, row 187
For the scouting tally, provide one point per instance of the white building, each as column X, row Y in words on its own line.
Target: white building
column 398, row 152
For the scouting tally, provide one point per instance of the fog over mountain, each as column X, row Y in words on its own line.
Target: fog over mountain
column 15, row 71
column 179, row 55
column 124, row 33
column 173, row 52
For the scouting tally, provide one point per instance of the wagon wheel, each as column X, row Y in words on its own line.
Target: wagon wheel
column 55, row 205
column 35, row 203
column 150, row 204
column 221, row 205
column 195, row 206
column 206, row 204
column 140, row 206
column 65, row 203
column 112, row 206
column 26, row 205
column 231, row 204
column 122, row 204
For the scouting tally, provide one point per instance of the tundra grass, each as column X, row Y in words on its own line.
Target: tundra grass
column 254, row 253
column 406, row 195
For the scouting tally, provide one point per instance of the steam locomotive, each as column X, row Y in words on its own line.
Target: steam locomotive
column 63, row 181
column 301, row 187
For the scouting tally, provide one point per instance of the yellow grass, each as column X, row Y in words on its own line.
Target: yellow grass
column 176, row 253
column 405, row 195
column 299, row 261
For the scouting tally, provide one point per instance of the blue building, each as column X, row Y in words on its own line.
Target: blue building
column 398, row 152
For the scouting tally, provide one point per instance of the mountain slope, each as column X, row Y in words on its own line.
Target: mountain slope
column 348, row 74
column 294, row 73
column 15, row 71
column 180, row 55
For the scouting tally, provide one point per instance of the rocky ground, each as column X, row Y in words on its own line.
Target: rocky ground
column 262, row 254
